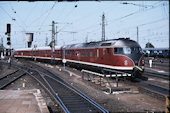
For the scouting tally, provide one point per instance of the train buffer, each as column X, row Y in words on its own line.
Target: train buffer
column 93, row 76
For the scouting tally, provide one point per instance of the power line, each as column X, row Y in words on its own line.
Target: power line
column 46, row 12
column 30, row 12
column 17, row 14
column 47, row 15
column 12, row 17
column 133, row 13
column 118, row 19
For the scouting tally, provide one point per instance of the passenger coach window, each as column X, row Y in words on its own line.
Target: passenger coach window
column 82, row 52
column 91, row 53
column 118, row 50
column 86, row 52
column 72, row 52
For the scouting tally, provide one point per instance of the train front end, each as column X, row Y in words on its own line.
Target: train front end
column 131, row 52
column 134, row 52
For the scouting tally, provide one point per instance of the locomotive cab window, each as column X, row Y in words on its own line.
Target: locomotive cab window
column 127, row 50
column 118, row 50
column 136, row 50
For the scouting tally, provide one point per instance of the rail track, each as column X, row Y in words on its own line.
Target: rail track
column 154, row 74
column 11, row 77
column 70, row 99
column 156, row 90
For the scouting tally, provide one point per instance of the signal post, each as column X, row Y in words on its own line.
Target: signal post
column 8, row 51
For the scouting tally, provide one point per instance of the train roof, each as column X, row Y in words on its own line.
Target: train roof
column 38, row 48
column 120, row 42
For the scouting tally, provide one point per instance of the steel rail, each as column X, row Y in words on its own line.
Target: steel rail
column 96, row 104
column 163, row 91
column 87, row 98
column 82, row 95
column 42, row 75
column 65, row 110
column 105, row 111
column 26, row 71
column 154, row 74
column 1, row 77
column 11, row 80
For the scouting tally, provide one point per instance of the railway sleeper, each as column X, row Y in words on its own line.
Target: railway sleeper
column 153, row 94
column 84, row 110
column 79, row 106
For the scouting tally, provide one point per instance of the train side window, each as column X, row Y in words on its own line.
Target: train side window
column 86, row 52
column 95, row 53
column 82, row 52
column 108, row 51
column 118, row 50
column 91, row 53
column 78, row 53
column 65, row 52
column 73, row 52
column 70, row 52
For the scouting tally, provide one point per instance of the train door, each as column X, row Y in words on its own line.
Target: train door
column 78, row 54
column 96, row 54
column 62, row 53
column 107, row 55
column 100, row 53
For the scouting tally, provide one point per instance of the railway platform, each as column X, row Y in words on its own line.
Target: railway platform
column 22, row 101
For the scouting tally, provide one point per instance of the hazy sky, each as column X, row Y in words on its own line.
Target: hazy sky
column 77, row 23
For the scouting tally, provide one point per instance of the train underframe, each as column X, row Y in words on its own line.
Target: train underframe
column 135, row 73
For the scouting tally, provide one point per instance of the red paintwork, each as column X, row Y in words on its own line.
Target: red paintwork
column 100, row 57
column 141, row 62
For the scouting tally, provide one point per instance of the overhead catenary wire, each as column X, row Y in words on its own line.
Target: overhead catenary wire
column 18, row 15
column 30, row 12
column 12, row 18
column 47, row 15
column 43, row 14
column 133, row 13
column 120, row 18
column 67, row 16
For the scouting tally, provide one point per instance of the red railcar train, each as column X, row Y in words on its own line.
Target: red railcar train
column 120, row 54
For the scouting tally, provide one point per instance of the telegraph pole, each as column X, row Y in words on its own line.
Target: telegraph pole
column 137, row 35
column 103, row 27
column 53, row 41
column 56, row 37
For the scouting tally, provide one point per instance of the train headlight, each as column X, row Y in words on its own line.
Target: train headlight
column 143, row 62
column 125, row 62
